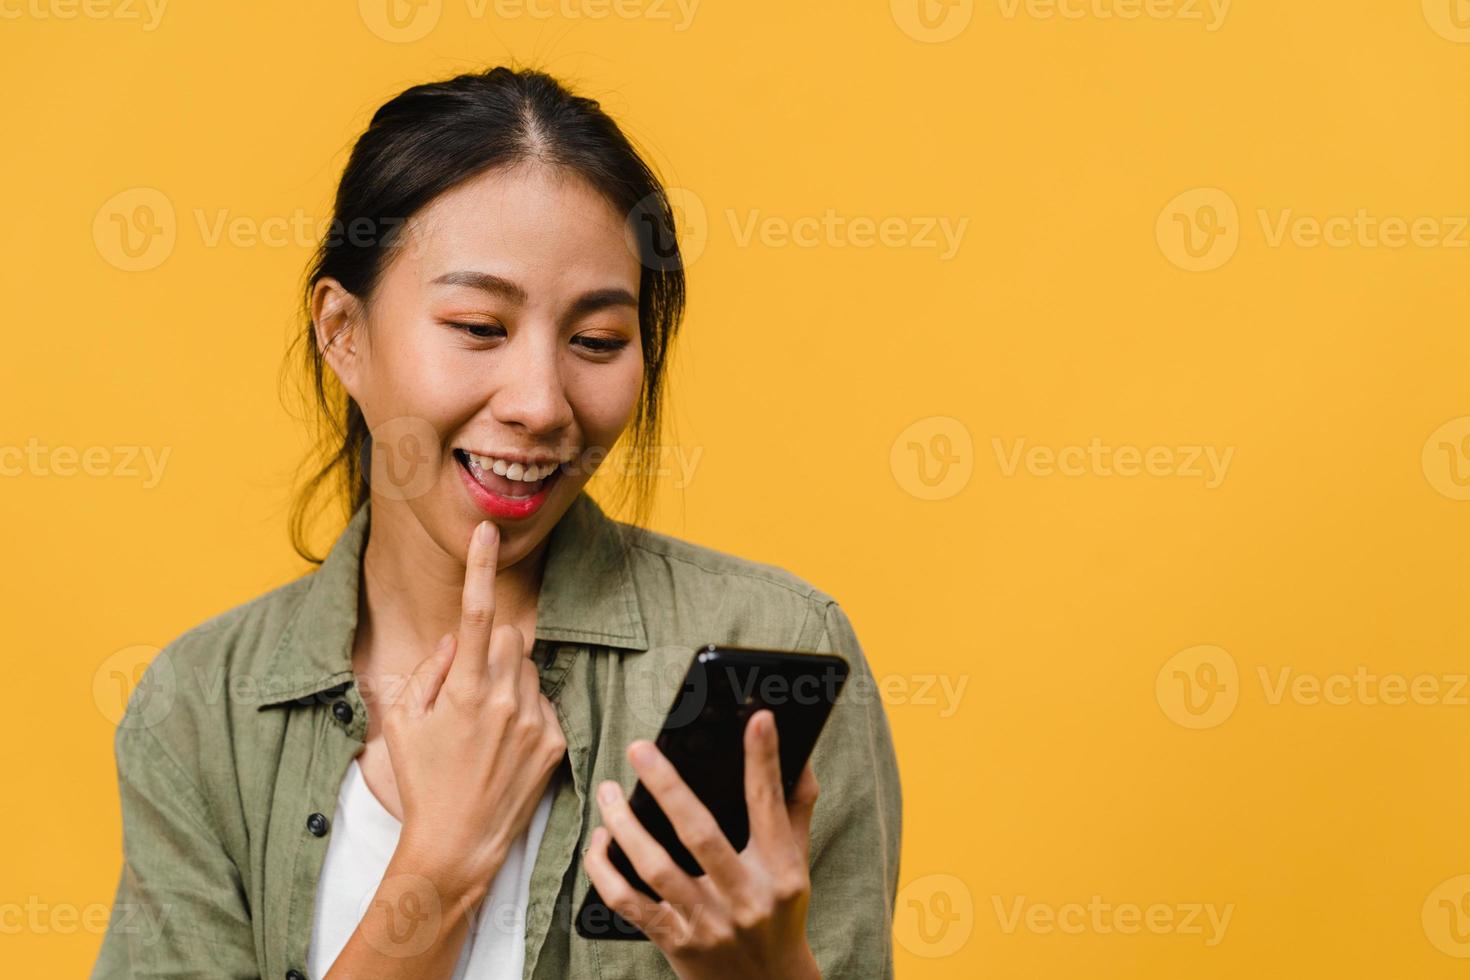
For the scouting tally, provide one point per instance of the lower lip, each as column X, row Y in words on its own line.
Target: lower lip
column 507, row 508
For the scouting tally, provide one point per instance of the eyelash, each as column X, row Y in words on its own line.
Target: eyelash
column 596, row 345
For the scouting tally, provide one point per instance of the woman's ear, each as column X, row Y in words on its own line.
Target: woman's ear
column 336, row 316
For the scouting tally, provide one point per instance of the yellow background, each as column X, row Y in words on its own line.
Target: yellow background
column 829, row 388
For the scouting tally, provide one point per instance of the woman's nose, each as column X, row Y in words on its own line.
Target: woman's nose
column 530, row 393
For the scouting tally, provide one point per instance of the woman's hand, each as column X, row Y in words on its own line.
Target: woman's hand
column 473, row 744
column 746, row 916
column 472, row 739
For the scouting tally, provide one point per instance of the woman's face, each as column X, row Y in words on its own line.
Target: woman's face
column 504, row 332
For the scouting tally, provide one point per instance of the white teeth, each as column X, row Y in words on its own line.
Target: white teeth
column 512, row 471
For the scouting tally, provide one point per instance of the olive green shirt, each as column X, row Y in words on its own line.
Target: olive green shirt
column 235, row 743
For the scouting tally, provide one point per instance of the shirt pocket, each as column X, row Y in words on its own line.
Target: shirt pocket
column 627, row 960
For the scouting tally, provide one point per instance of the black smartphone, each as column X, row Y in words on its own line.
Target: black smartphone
column 704, row 737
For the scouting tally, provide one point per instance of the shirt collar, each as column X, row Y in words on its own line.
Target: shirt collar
column 587, row 596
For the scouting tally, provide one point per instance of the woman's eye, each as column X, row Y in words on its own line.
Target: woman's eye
column 493, row 331
column 480, row 331
column 602, row 345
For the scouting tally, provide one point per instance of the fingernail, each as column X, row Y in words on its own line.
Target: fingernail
column 608, row 792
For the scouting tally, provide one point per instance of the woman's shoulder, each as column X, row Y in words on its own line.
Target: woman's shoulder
column 238, row 637
column 683, row 585
column 688, row 561
column 202, row 677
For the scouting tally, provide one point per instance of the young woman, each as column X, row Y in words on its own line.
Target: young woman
column 411, row 762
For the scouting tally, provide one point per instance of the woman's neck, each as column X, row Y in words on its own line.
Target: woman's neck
column 411, row 592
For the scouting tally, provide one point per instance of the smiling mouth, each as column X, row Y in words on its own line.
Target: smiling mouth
column 504, row 485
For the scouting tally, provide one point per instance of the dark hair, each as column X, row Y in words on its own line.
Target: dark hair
column 427, row 140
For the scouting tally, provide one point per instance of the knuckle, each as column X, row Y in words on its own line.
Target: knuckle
column 662, row 874
column 477, row 616
column 752, row 914
column 470, row 698
column 508, row 634
column 716, row 936
column 704, row 835
column 501, row 700
column 791, row 886
column 619, row 897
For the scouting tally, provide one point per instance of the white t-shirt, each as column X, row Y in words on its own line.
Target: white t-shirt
column 364, row 835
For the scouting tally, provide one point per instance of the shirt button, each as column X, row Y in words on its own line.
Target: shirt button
column 317, row 824
column 342, row 711
column 295, row 975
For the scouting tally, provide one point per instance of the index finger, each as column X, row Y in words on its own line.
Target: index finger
column 476, row 607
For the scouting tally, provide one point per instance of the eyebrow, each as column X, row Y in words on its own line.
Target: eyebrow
column 588, row 302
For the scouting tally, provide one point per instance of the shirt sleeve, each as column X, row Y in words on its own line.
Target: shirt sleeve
column 856, row 826
column 180, row 908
